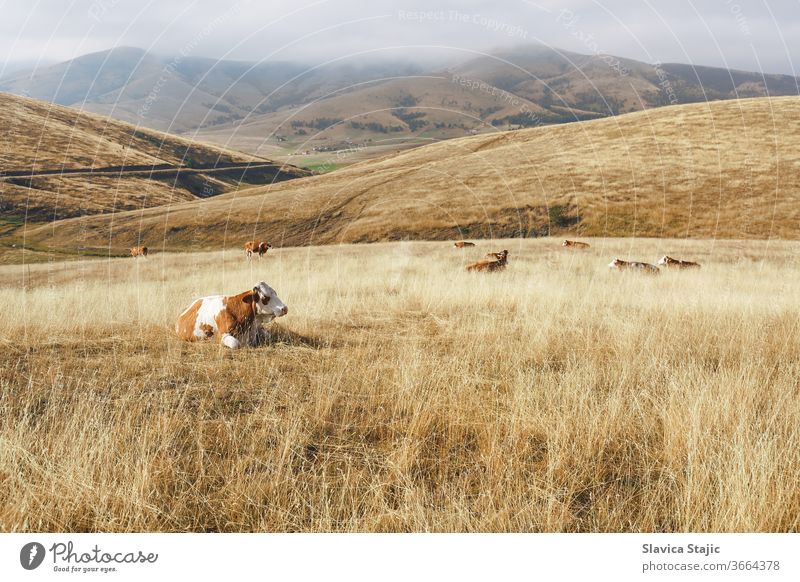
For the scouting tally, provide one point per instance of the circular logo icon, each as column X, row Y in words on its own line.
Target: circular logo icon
column 31, row 555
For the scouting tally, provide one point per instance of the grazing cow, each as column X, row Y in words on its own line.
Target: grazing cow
column 235, row 320
column 254, row 246
column 671, row 263
column 620, row 265
column 497, row 264
column 575, row 244
column 263, row 247
column 250, row 247
column 138, row 252
column 462, row 243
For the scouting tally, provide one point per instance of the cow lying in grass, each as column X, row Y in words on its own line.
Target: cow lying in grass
column 620, row 265
column 462, row 244
column 497, row 264
column 670, row 263
column 575, row 244
column 138, row 252
column 236, row 320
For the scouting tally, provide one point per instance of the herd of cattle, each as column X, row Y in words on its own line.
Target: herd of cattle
column 498, row 261
column 237, row 320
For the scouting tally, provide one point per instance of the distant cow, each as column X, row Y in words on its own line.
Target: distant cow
column 138, row 252
column 462, row 243
column 236, row 320
column 575, row 244
column 253, row 246
column 620, row 265
column 498, row 264
column 671, row 263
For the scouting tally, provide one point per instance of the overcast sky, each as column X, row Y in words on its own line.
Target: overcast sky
column 761, row 35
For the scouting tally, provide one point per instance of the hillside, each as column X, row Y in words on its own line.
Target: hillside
column 526, row 87
column 57, row 162
column 715, row 170
column 418, row 109
column 328, row 116
column 183, row 93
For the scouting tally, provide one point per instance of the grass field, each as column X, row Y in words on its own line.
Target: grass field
column 403, row 394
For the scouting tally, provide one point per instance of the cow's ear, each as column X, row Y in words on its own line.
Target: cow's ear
column 256, row 292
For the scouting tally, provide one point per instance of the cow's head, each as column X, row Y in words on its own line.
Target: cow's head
column 615, row 264
column 665, row 260
column 268, row 304
column 565, row 243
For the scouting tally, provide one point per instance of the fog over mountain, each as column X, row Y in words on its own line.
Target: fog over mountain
column 738, row 34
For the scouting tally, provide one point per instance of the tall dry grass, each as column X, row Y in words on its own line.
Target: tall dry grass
column 403, row 394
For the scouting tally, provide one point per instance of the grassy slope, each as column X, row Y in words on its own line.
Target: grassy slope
column 38, row 136
column 434, row 99
column 721, row 169
column 402, row 393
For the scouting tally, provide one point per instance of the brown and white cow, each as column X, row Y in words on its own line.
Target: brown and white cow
column 575, row 244
column 462, row 243
column 138, row 252
column 498, row 264
column 671, row 263
column 254, row 246
column 236, row 319
column 620, row 265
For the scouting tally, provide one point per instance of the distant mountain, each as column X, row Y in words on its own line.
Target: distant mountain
column 181, row 94
column 294, row 112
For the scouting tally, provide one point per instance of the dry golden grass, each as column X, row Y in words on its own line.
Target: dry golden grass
column 403, row 394
column 709, row 170
column 43, row 137
column 38, row 135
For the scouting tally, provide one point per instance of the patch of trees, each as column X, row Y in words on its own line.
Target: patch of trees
column 319, row 123
column 407, row 100
column 411, row 118
column 375, row 127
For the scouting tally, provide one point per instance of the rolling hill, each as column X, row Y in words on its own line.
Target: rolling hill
column 58, row 163
column 525, row 87
column 307, row 115
column 725, row 169
column 182, row 93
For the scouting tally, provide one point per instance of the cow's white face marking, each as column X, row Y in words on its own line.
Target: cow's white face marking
column 269, row 306
column 663, row 260
column 613, row 264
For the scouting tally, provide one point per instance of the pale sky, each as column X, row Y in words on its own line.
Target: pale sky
column 759, row 35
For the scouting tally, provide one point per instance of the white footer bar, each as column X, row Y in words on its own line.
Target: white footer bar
column 372, row 557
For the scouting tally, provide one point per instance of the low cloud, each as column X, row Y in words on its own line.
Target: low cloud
column 743, row 34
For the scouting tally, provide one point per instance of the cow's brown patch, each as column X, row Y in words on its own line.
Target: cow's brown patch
column 238, row 314
column 184, row 327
